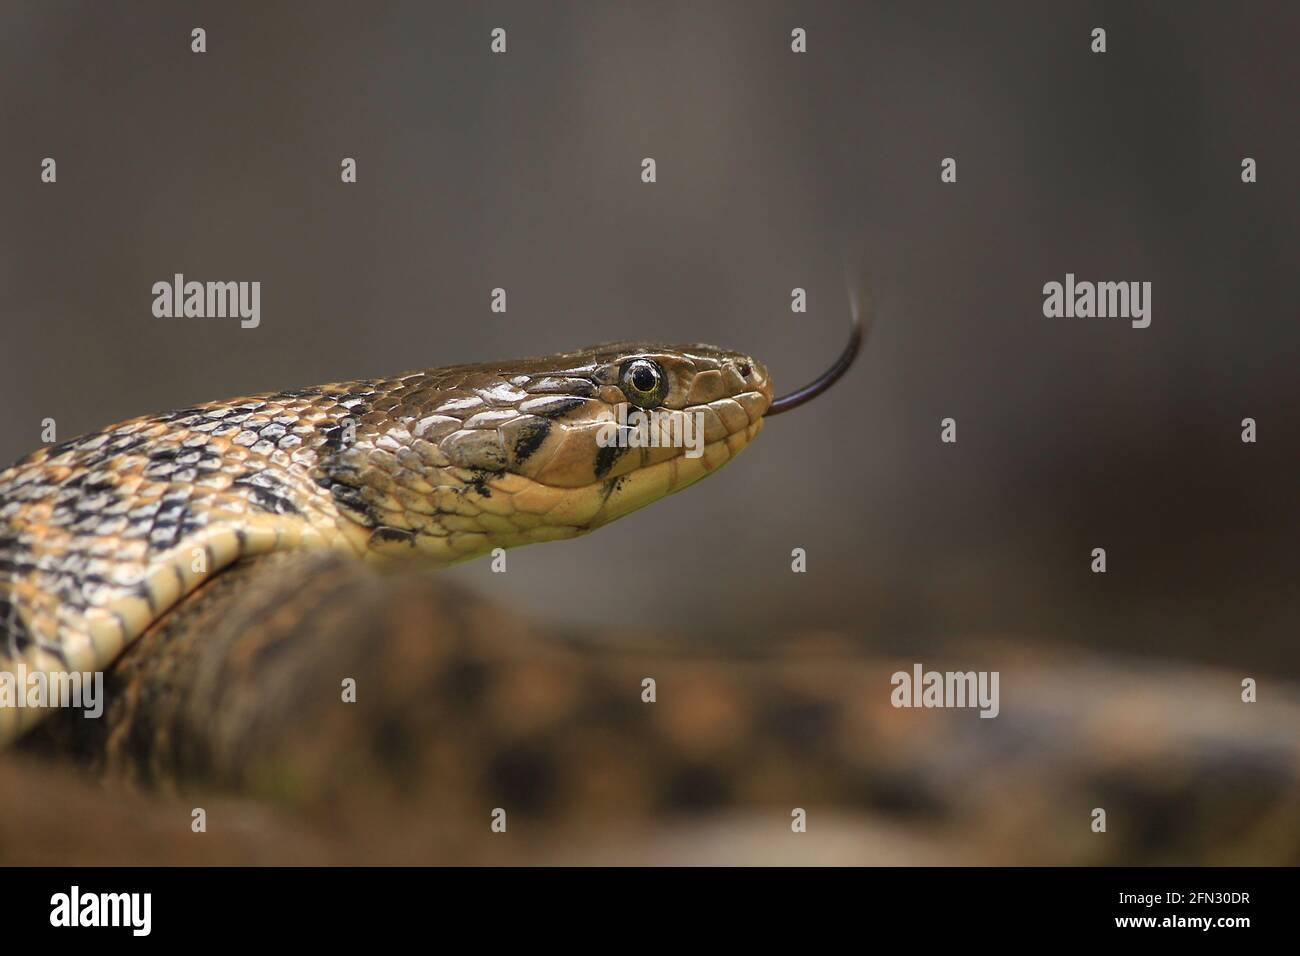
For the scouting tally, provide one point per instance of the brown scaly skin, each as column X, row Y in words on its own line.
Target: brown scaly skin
column 232, row 699
column 463, row 707
column 101, row 535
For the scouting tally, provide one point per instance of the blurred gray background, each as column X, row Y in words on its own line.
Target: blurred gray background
column 522, row 171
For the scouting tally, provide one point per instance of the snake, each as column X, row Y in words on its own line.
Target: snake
column 225, row 564
column 102, row 534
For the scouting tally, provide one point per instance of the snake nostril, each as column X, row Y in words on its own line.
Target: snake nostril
column 744, row 369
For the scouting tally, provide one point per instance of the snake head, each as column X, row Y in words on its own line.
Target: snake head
column 469, row 458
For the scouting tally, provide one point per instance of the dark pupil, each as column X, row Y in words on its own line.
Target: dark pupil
column 643, row 379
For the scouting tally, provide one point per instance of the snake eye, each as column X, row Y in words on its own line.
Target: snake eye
column 644, row 383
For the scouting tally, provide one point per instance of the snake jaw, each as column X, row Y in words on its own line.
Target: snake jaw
column 725, row 395
column 541, row 466
column 647, row 485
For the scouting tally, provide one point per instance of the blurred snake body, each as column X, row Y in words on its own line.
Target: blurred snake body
column 102, row 534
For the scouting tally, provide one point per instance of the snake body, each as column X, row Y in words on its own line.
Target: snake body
column 207, row 560
column 102, row 534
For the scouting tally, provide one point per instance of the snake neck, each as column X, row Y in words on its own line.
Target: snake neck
column 102, row 534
